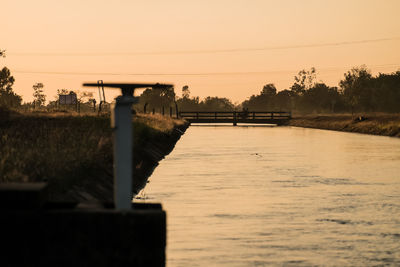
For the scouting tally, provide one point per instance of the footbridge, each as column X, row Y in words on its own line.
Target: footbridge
column 235, row 117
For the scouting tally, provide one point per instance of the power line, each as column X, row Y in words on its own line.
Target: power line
column 188, row 74
column 205, row 51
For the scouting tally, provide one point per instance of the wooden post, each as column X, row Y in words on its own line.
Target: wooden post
column 215, row 115
column 163, row 111
column 197, row 115
column 254, row 115
column 154, row 111
column 234, row 119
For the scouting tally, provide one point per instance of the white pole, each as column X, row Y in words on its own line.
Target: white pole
column 121, row 123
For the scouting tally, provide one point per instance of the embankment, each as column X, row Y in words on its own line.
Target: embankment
column 376, row 124
column 73, row 154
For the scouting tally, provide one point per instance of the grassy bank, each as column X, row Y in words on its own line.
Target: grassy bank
column 74, row 153
column 377, row 124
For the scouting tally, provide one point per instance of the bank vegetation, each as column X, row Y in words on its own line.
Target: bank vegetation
column 73, row 153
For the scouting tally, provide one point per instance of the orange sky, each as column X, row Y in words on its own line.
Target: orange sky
column 64, row 43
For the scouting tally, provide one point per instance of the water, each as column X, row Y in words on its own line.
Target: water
column 285, row 196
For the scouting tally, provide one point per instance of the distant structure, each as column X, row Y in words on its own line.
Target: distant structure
column 68, row 100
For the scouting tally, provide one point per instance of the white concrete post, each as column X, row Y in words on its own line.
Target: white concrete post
column 121, row 122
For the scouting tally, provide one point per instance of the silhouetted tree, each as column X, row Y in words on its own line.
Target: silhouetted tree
column 269, row 90
column 185, row 92
column 61, row 92
column 320, row 98
column 7, row 96
column 304, row 80
column 158, row 97
column 264, row 101
column 283, row 100
column 188, row 104
column 38, row 95
column 387, row 92
column 216, row 104
column 357, row 89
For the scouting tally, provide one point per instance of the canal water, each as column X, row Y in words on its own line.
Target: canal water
column 280, row 196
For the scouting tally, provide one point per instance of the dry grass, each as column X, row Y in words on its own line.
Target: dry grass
column 158, row 122
column 67, row 151
column 372, row 123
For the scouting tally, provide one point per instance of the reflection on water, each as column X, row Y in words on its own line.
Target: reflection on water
column 249, row 196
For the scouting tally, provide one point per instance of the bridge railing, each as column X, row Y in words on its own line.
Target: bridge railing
column 235, row 115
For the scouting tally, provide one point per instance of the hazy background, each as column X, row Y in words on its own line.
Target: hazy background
column 63, row 43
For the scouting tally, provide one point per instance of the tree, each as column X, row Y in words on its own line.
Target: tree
column 357, row 88
column 320, row 98
column 216, row 104
column 7, row 97
column 269, row 90
column 387, row 92
column 158, row 97
column 2, row 53
column 283, row 100
column 185, row 103
column 303, row 81
column 38, row 95
column 61, row 92
column 84, row 95
column 262, row 102
column 185, row 92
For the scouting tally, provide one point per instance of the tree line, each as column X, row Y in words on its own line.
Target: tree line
column 10, row 100
column 358, row 91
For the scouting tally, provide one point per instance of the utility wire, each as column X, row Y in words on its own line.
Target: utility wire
column 205, row 51
column 187, row 74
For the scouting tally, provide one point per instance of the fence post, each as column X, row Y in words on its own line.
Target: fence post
column 234, row 119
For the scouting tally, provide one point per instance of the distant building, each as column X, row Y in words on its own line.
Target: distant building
column 70, row 99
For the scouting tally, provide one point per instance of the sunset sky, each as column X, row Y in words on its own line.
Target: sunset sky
column 219, row 48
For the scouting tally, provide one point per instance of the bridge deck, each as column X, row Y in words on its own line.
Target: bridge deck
column 265, row 117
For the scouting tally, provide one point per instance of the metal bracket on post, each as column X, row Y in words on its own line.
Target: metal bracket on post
column 121, row 122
